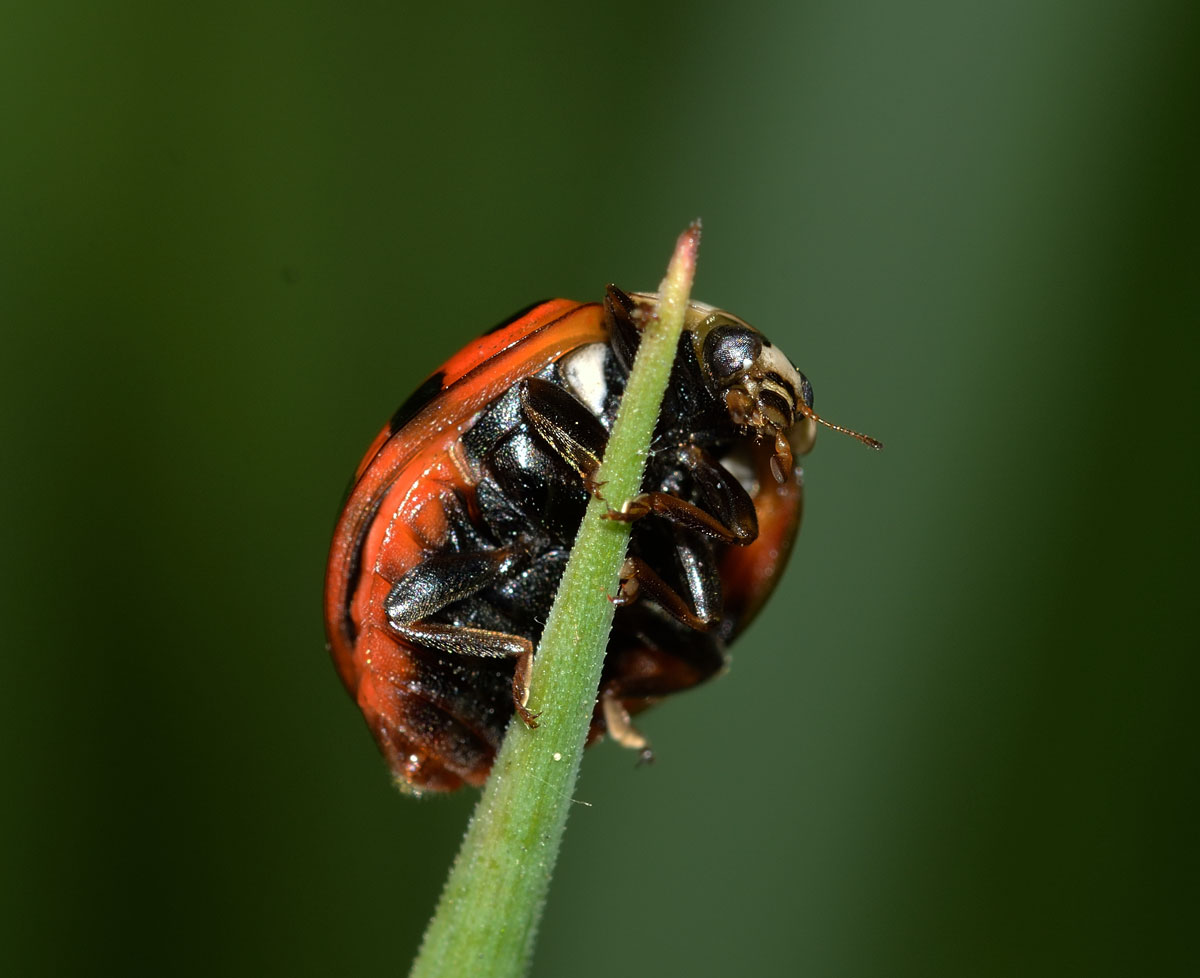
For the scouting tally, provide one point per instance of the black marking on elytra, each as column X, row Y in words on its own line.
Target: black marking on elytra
column 519, row 314
column 354, row 571
column 417, row 400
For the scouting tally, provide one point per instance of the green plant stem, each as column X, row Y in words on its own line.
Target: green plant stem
column 487, row 918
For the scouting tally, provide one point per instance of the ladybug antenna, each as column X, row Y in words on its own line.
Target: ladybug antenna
column 865, row 439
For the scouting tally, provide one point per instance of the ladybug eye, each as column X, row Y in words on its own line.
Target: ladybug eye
column 806, row 390
column 729, row 351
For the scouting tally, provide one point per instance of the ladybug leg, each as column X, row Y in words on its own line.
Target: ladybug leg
column 620, row 726
column 442, row 579
column 683, row 513
column 481, row 642
column 638, row 576
column 727, row 515
column 566, row 425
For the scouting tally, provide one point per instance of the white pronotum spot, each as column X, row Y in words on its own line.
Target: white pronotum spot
column 584, row 371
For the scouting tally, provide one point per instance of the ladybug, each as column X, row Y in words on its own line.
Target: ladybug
column 460, row 517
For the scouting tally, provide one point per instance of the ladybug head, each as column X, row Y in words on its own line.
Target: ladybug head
column 765, row 393
column 767, row 397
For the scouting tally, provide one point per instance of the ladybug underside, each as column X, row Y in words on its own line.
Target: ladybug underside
column 468, row 575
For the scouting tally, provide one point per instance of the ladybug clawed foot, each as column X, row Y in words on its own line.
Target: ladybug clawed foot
column 593, row 487
column 627, row 585
column 631, row 510
column 529, row 718
column 521, row 690
column 620, row 726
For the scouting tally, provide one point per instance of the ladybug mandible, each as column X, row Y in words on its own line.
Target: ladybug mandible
column 456, row 530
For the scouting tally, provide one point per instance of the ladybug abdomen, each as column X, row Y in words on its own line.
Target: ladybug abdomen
column 439, row 717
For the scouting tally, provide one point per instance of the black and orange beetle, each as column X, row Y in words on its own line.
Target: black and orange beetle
column 456, row 530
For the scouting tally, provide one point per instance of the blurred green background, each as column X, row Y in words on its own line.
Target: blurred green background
column 234, row 237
